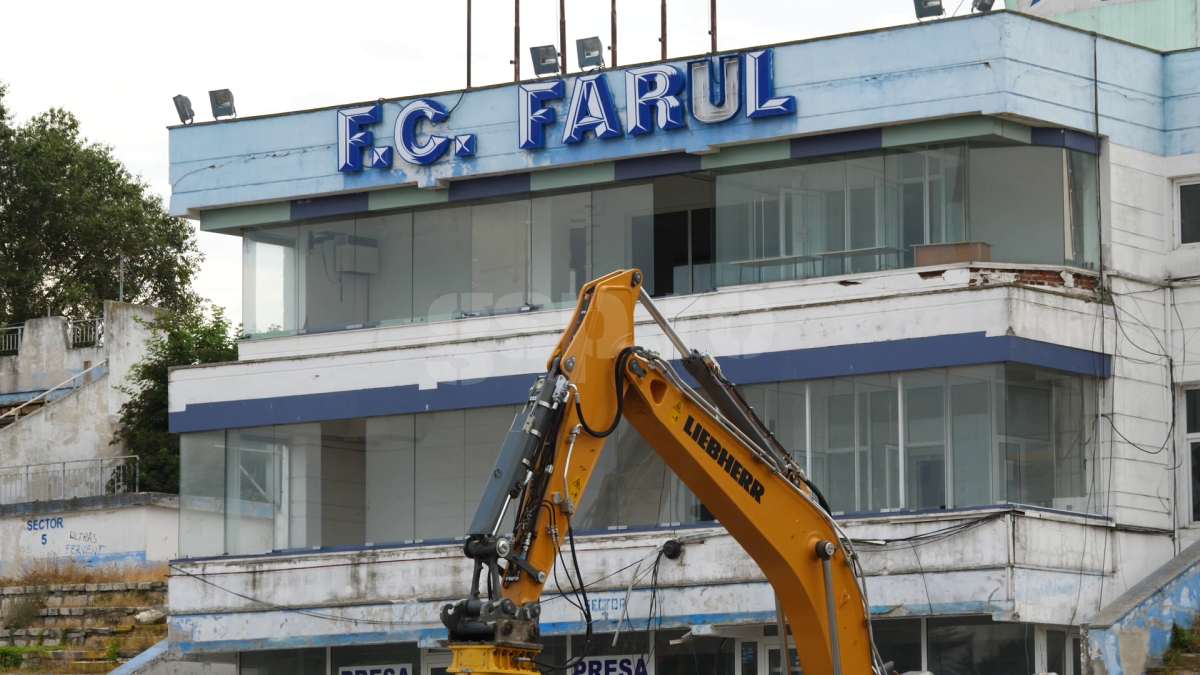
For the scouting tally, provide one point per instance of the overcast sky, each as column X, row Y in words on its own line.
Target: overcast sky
column 116, row 64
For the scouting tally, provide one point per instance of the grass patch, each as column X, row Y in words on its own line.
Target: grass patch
column 22, row 612
column 46, row 571
column 113, row 654
column 1183, row 641
column 11, row 658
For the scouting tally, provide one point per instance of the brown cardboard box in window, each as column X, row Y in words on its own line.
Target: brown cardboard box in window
column 955, row 252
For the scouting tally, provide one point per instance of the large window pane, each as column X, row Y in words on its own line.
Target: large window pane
column 677, row 656
column 971, row 440
column 202, row 494
column 1084, row 240
column 979, row 646
column 878, row 444
column 251, row 490
column 925, row 446
column 282, row 662
column 899, row 641
column 561, row 242
column 499, row 256
column 833, row 438
column 270, row 294
column 343, row 482
column 397, row 654
column 614, row 212
column 1017, row 202
column 391, row 489
column 334, row 269
column 383, row 264
column 441, row 263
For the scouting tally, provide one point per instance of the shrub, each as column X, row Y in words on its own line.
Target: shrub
column 23, row 611
column 113, row 654
column 10, row 657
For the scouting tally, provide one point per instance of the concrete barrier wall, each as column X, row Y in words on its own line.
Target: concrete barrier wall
column 125, row 529
column 1133, row 631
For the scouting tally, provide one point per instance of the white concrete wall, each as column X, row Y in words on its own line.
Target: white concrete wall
column 1033, row 567
column 124, row 529
column 80, row 425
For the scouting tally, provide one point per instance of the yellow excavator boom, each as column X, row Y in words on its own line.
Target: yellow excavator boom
column 596, row 376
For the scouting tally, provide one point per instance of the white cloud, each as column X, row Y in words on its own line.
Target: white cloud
column 116, row 65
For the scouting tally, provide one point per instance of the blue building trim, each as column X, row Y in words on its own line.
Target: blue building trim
column 837, row 144
column 1065, row 138
column 801, row 364
column 323, row 207
column 491, row 186
column 655, row 165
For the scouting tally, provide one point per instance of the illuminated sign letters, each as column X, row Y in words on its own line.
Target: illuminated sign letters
column 717, row 88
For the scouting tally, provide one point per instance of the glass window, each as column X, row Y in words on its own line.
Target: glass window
column 998, row 175
column 1056, row 647
column 1083, row 242
column 899, row 641
column 383, row 266
column 499, row 256
column 973, row 436
column 716, row 655
column 441, row 264
column 1189, row 213
column 561, row 258
column 614, row 213
column 979, row 646
column 925, row 449
column 270, row 293
column 201, row 494
column 334, row 266
column 283, row 662
column 1192, row 398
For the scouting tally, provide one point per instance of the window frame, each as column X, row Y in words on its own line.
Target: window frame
column 1186, row 492
column 1177, row 184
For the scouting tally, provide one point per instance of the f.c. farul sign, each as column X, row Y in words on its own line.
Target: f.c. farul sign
column 658, row 98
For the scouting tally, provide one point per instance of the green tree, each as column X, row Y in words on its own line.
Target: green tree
column 68, row 212
column 178, row 338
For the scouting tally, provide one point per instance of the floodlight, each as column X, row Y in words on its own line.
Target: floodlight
column 590, row 52
column 928, row 8
column 982, row 5
column 222, row 103
column 545, row 60
column 183, row 106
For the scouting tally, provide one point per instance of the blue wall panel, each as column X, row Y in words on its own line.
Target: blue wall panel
column 492, row 186
column 323, row 207
column 836, row 144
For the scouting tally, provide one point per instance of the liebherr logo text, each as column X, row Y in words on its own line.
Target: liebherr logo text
column 734, row 468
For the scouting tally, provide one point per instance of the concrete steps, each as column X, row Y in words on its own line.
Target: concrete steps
column 77, row 628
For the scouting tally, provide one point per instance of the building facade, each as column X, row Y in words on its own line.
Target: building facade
column 951, row 265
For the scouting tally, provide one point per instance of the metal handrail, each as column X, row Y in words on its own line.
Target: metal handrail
column 96, row 476
column 56, row 387
column 11, row 337
column 86, row 332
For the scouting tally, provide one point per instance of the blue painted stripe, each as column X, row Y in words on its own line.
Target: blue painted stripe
column 802, row 364
column 323, row 207
column 837, row 144
column 655, row 165
column 1065, row 138
column 492, row 186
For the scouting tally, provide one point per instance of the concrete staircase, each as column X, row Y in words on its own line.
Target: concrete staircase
column 78, row 628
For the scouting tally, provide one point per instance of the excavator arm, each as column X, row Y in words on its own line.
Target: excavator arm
column 717, row 447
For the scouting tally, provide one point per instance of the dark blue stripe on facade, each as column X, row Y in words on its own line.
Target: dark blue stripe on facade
column 801, row 364
column 323, row 207
column 655, row 165
column 1065, row 138
column 837, row 144
column 491, row 186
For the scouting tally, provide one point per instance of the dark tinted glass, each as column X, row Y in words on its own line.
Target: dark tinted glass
column 979, row 646
column 899, row 641
column 1189, row 213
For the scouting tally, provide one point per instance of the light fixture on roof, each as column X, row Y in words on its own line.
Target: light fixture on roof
column 222, row 103
column 928, row 8
column 590, row 52
column 982, row 5
column 545, row 60
column 183, row 106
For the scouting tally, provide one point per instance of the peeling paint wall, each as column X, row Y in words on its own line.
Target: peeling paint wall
column 1134, row 631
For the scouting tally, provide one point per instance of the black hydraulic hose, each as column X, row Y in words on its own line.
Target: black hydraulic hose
column 622, row 360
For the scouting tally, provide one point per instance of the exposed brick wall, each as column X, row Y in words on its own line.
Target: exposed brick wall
column 982, row 276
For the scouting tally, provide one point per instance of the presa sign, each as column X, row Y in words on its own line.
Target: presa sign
column 611, row 665
column 391, row 669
